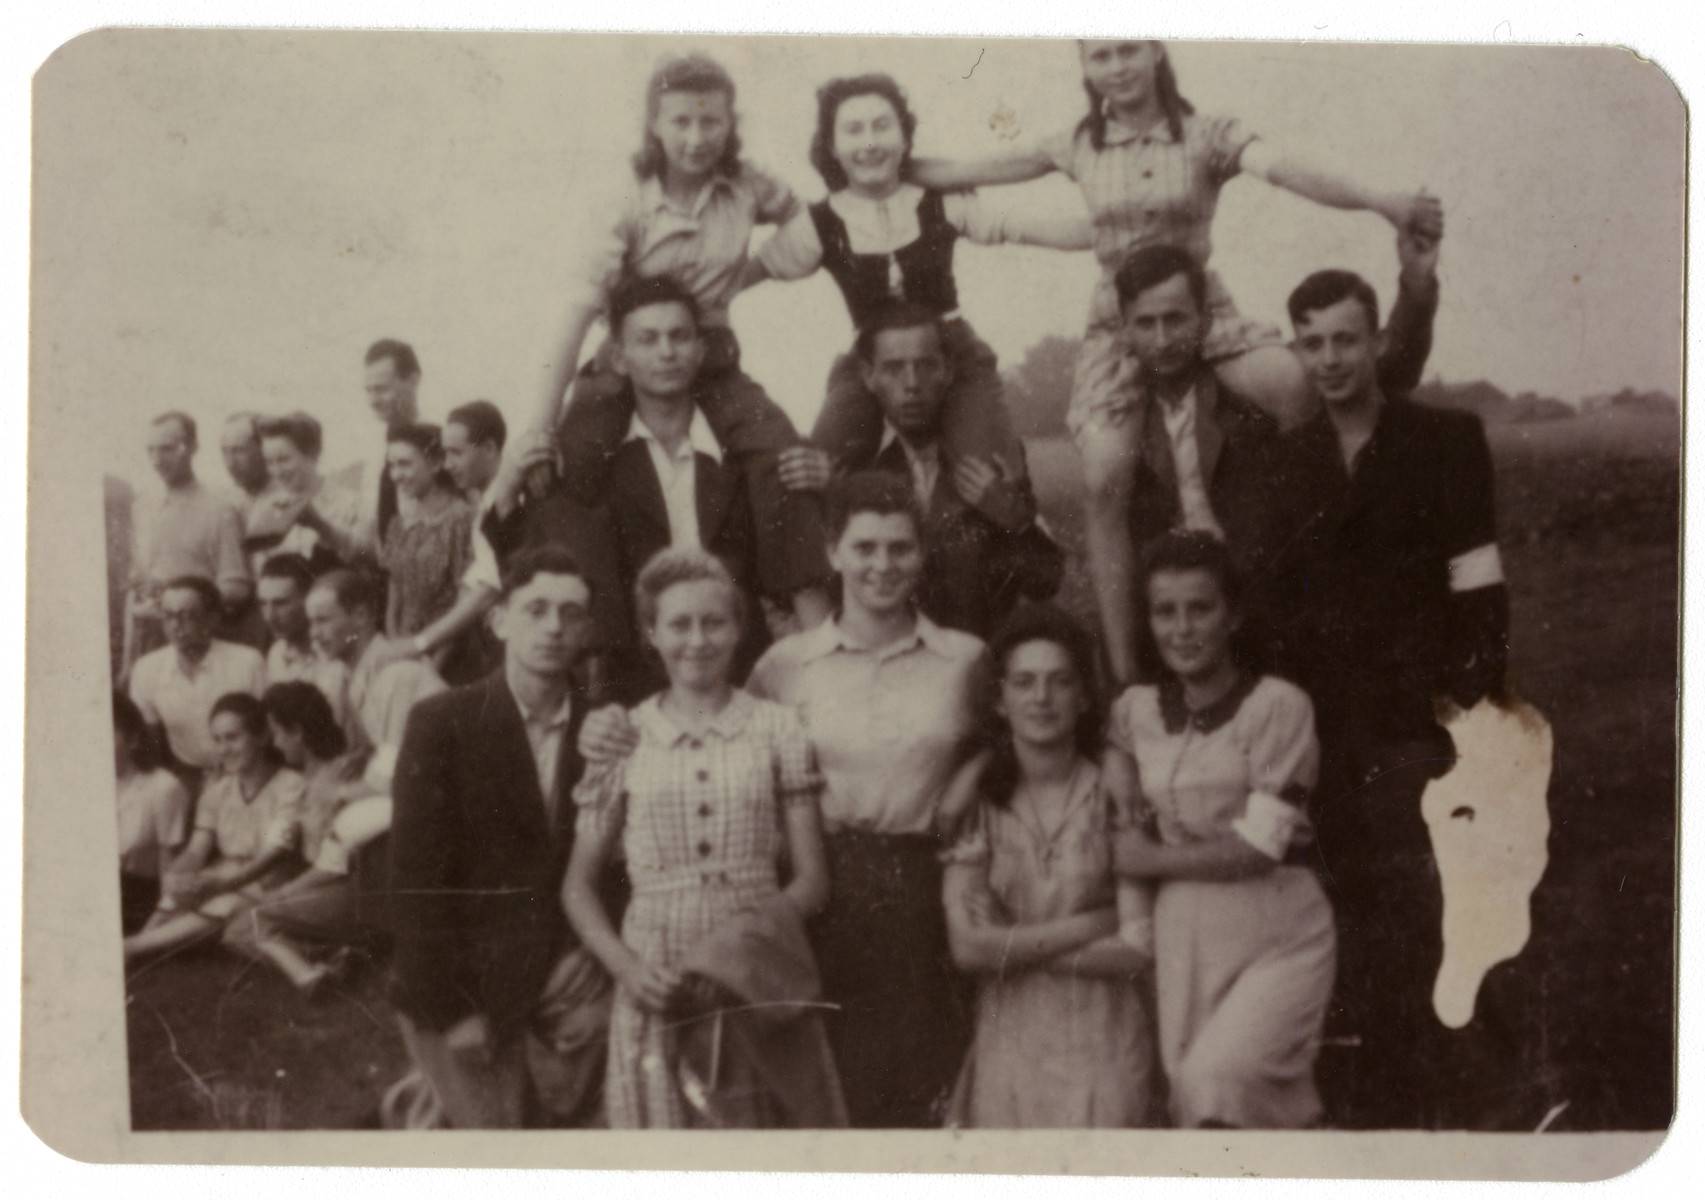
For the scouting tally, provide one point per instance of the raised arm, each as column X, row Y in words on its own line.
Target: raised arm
column 1015, row 166
column 1409, row 329
column 1323, row 186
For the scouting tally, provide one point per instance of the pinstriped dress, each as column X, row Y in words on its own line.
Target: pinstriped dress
column 1145, row 188
column 701, row 823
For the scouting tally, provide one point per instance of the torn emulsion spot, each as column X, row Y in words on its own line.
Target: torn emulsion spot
column 1489, row 822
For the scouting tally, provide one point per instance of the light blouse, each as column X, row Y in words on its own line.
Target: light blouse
column 1243, row 765
column 890, row 726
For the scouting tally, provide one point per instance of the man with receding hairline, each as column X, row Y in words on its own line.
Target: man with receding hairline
column 190, row 530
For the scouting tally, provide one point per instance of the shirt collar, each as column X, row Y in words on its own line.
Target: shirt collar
column 830, row 637
column 699, row 436
column 727, row 724
column 653, row 198
column 1175, row 715
column 890, row 435
column 1118, row 133
column 548, row 722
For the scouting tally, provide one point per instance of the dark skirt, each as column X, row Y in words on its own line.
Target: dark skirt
column 903, row 1024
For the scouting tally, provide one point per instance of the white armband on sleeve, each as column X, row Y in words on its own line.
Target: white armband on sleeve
column 1478, row 568
column 1268, row 824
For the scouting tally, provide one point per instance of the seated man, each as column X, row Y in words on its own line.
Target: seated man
column 1206, row 458
column 668, row 482
column 176, row 686
column 345, row 608
column 1407, row 609
column 984, row 548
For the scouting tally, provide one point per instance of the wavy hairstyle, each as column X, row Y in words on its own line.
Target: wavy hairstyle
column 1035, row 623
column 837, row 92
column 1175, row 106
column 695, row 74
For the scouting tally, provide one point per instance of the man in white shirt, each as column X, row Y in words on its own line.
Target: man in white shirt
column 177, row 685
column 344, row 610
column 1208, row 460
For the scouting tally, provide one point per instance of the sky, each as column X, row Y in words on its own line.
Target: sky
column 225, row 220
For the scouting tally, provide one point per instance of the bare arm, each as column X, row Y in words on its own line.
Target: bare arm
column 991, row 949
column 1109, row 957
column 1313, row 182
column 559, row 366
column 1225, row 857
column 1015, row 166
column 472, row 603
column 231, row 881
column 651, row 984
column 808, row 890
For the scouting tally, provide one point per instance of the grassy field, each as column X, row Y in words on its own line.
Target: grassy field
column 1588, row 512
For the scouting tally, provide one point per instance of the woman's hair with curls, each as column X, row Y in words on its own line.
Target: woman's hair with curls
column 694, row 74
column 1035, row 623
column 837, row 92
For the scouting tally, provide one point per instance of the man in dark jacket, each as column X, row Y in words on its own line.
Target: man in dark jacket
column 1208, row 460
column 983, row 546
column 483, row 825
column 1401, row 606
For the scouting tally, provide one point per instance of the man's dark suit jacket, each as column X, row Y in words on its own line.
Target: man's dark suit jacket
column 476, row 867
column 974, row 571
column 630, row 524
column 1254, row 486
column 1379, row 634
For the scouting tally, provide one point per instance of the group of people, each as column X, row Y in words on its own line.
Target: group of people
column 774, row 791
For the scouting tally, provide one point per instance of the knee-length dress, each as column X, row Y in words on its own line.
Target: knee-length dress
column 701, row 824
column 1243, row 968
column 1145, row 187
column 1051, row 1050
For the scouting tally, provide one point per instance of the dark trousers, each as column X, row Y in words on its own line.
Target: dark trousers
column 1389, row 1062
column 903, row 1024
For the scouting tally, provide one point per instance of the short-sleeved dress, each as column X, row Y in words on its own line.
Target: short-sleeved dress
column 244, row 829
column 425, row 561
column 702, row 831
column 1145, row 187
column 1243, row 968
column 1054, row 1051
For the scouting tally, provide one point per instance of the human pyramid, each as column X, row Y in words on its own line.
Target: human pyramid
column 754, row 780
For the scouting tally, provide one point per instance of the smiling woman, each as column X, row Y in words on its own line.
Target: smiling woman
column 719, row 788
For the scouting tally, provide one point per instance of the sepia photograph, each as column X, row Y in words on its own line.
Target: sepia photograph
column 664, row 583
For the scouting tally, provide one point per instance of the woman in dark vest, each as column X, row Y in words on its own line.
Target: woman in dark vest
column 883, row 239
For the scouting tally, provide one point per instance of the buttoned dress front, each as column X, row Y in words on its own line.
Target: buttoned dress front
column 1145, row 187
column 1054, row 1050
column 701, row 820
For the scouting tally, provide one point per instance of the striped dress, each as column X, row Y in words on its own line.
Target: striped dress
column 1146, row 188
column 701, row 825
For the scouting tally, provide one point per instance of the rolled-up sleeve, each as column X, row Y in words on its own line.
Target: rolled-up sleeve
column 991, row 221
column 795, row 250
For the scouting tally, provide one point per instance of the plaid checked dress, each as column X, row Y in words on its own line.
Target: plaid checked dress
column 701, row 823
